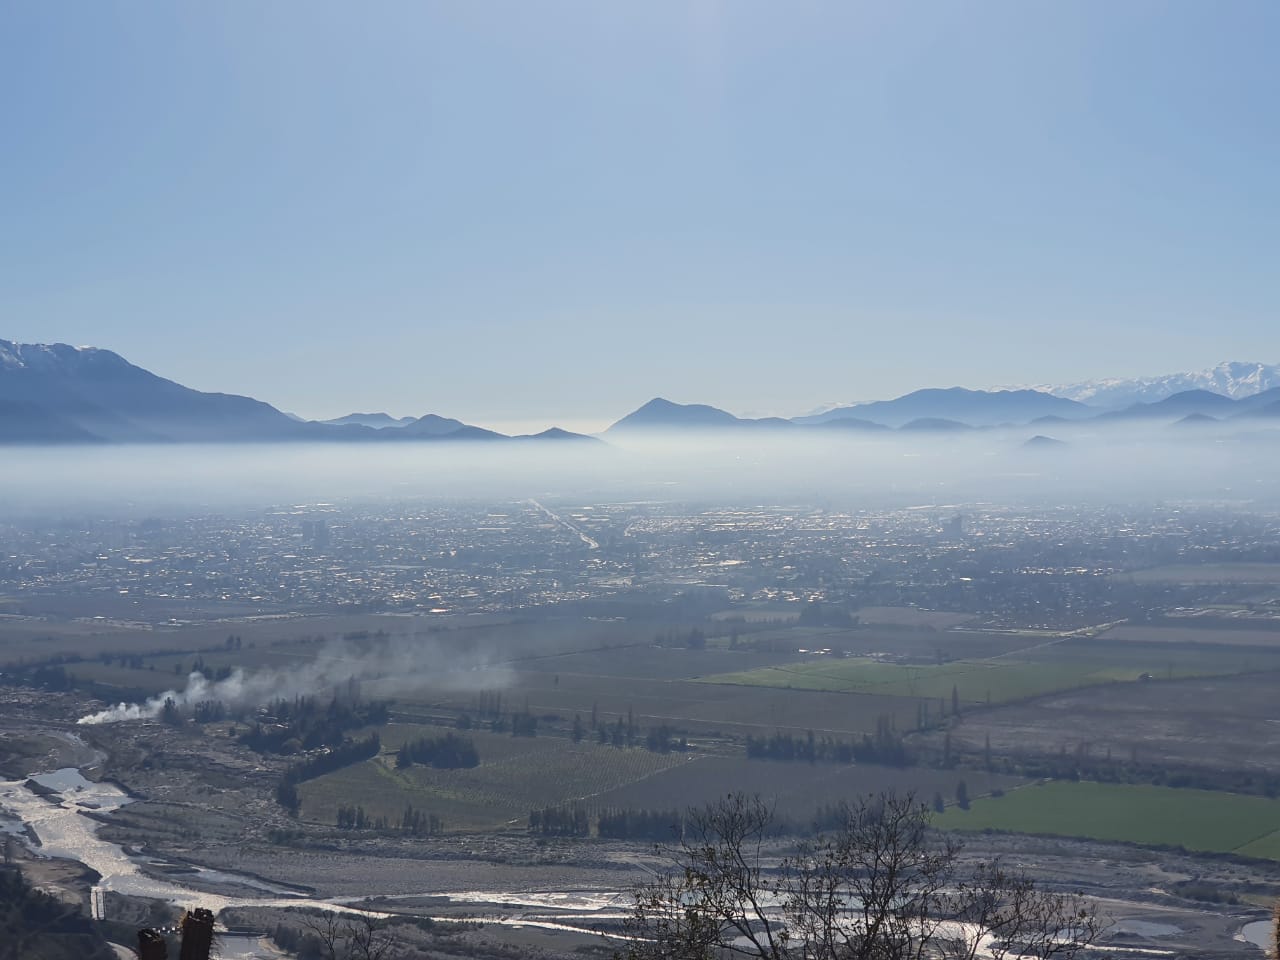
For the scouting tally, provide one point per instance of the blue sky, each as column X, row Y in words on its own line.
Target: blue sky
column 553, row 211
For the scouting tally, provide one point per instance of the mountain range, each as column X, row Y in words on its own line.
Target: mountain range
column 55, row 393
column 953, row 410
column 1230, row 379
column 977, row 408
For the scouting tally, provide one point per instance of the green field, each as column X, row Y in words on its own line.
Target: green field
column 1040, row 669
column 1194, row 819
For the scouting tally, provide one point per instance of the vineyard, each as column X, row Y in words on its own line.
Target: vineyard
column 514, row 776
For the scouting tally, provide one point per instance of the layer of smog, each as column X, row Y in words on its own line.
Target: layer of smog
column 1115, row 464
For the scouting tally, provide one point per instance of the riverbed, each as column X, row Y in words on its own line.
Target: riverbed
column 59, row 819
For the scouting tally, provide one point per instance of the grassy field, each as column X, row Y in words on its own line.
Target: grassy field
column 1039, row 669
column 1194, row 819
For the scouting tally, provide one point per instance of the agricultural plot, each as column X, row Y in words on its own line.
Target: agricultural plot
column 975, row 681
column 1040, row 669
column 796, row 789
column 518, row 774
column 160, row 672
column 1195, row 819
column 917, row 642
column 1219, row 723
column 514, row 776
column 699, row 708
column 912, row 617
column 1231, row 637
column 268, row 639
column 1207, row 573
column 778, row 613
column 126, row 679
column 652, row 662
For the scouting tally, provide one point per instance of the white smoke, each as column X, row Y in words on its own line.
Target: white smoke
column 395, row 667
column 237, row 690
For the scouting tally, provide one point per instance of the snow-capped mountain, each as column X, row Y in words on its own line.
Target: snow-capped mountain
column 1230, row 379
column 37, row 356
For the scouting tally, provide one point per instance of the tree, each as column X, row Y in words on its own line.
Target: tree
column 881, row 886
column 169, row 713
column 351, row 936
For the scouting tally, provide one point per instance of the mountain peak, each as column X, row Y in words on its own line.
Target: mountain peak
column 663, row 414
column 45, row 356
column 379, row 421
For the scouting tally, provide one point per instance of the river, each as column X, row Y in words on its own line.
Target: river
column 58, row 822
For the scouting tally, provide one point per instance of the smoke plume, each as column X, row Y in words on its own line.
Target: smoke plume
column 394, row 667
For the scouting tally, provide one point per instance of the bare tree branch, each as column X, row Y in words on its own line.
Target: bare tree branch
column 882, row 886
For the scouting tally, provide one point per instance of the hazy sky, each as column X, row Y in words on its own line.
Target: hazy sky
column 554, row 211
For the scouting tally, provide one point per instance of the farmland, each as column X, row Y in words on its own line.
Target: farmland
column 1195, row 819
column 1236, row 573
column 517, row 774
column 1235, row 636
column 1024, row 693
column 796, row 789
column 1212, row 723
column 1039, row 669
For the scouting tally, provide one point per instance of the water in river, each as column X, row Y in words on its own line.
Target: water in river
column 1260, row 933
column 61, row 823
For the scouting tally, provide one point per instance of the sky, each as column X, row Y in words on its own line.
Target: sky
column 523, row 213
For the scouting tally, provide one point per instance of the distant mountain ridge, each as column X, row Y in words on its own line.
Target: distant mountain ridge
column 378, row 421
column 950, row 410
column 60, row 394
column 976, row 408
column 1200, row 404
column 57, row 393
column 923, row 410
column 1232, row 379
